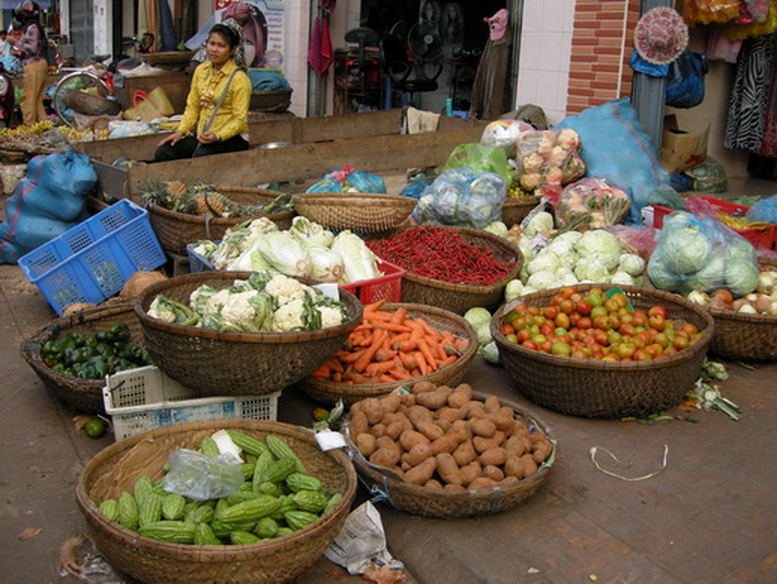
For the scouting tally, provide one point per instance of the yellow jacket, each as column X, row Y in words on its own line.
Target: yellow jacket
column 207, row 86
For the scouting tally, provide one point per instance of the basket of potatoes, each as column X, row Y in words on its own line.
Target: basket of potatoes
column 438, row 451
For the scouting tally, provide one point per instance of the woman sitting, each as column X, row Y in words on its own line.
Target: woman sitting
column 217, row 105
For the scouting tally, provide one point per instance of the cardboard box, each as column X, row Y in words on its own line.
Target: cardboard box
column 682, row 149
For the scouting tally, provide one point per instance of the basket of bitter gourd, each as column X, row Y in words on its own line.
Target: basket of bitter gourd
column 291, row 505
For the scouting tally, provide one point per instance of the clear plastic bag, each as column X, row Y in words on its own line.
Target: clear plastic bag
column 700, row 253
column 549, row 157
column 593, row 202
column 202, row 477
column 462, row 197
column 348, row 180
column 504, row 134
column 478, row 158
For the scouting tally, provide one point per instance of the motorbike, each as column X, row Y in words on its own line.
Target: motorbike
column 7, row 99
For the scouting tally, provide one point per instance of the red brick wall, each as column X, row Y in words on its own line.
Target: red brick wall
column 597, row 46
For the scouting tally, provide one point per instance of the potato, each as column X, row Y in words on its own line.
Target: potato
column 502, row 419
column 387, row 457
column 519, row 429
column 407, row 399
column 448, row 469
column 508, row 481
column 482, row 427
column 447, row 443
column 391, row 417
column 493, row 472
column 463, row 427
column 372, row 409
column 444, row 425
column 417, row 454
column 470, row 472
column 482, row 444
column 387, row 442
column 461, row 395
column 542, row 450
column 454, row 488
column 434, row 399
column 378, row 430
column 447, row 413
column 514, row 467
column 474, row 409
column 499, row 438
column 418, row 475
column 433, row 484
column 482, row 483
column 418, row 414
column 366, row 444
column 430, row 430
column 492, row 404
column 405, row 465
column 395, row 428
column 529, row 466
column 359, row 424
column 410, row 438
column 390, row 403
column 514, row 446
column 464, row 453
column 494, row 455
column 423, row 387
column 355, row 407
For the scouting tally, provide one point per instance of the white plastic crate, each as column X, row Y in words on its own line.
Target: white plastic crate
column 145, row 398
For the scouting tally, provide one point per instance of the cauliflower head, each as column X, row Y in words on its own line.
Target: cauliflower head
column 330, row 316
column 289, row 316
column 284, row 289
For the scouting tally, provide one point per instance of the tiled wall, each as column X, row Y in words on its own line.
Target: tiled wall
column 546, row 41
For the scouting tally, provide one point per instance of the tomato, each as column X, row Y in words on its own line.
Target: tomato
column 583, row 307
column 611, row 357
column 615, row 319
column 638, row 321
column 691, row 329
column 621, row 299
column 641, row 355
column 584, row 323
column 578, row 354
column 626, row 349
column 574, row 317
column 550, row 312
column 507, row 329
column 562, row 320
column 594, row 299
column 680, row 342
column 611, row 305
column 539, row 339
column 654, row 350
column 576, row 297
column 546, row 329
column 669, row 351
column 614, row 336
column 724, row 295
column 533, row 310
column 661, row 339
column 598, row 311
column 546, row 346
column 567, row 306
column 602, row 322
column 646, row 337
column 539, row 320
column 601, row 337
column 512, row 338
column 659, row 310
column 523, row 335
column 565, row 339
column 560, row 348
column 529, row 345
column 567, row 291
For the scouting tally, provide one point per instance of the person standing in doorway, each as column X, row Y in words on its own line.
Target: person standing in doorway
column 33, row 45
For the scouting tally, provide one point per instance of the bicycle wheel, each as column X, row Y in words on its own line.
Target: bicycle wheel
column 76, row 81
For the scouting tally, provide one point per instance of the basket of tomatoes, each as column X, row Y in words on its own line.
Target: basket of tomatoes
column 603, row 351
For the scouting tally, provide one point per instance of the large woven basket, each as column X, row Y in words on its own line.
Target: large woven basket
column 235, row 363
column 331, row 392
column 515, row 209
column 426, row 502
column 359, row 212
column 270, row 101
column 607, row 389
column 116, row 468
column 744, row 337
column 459, row 298
column 175, row 230
column 89, row 104
column 83, row 394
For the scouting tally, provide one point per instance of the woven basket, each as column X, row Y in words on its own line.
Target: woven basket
column 515, row 209
column 426, row 502
column 330, row 392
column 89, row 104
column 235, row 363
column 459, row 298
column 270, row 101
column 168, row 57
column 83, row 394
column 117, row 467
column 174, row 230
column 607, row 389
column 359, row 212
column 744, row 337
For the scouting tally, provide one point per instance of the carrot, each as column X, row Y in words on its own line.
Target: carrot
column 408, row 360
column 374, row 305
column 398, row 338
column 355, row 377
column 384, row 354
column 399, row 316
column 423, row 347
column 376, row 369
column 394, row 328
column 422, row 364
column 447, row 338
column 399, row 375
column 418, row 330
column 335, row 364
column 407, row 346
column 438, row 352
column 450, row 360
column 322, row 372
column 352, row 357
column 427, row 329
column 337, row 376
column 386, row 378
column 364, row 359
column 461, row 344
column 377, row 316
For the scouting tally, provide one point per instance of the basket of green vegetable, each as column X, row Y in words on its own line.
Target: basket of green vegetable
column 255, row 337
column 293, row 501
column 73, row 354
column 455, row 268
column 182, row 213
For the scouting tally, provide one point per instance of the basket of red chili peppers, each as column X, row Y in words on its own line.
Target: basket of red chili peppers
column 455, row 268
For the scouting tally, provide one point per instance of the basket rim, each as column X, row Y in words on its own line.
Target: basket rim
column 224, row 552
column 389, row 480
column 593, row 365
column 725, row 314
column 339, row 198
column 146, row 296
column 381, row 388
column 531, row 200
column 477, row 234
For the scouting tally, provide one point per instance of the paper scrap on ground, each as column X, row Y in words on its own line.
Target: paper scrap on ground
column 595, row 449
column 362, row 542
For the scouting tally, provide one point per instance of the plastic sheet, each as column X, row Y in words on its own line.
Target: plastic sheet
column 202, row 477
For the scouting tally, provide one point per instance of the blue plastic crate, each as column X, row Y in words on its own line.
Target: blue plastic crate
column 197, row 262
column 92, row 261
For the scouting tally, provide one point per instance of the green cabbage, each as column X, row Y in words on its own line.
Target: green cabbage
column 686, row 250
column 661, row 277
column 710, row 277
column 741, row 277
column 632, row 264
column 513, row 289
column 477, row 316
column 601, row 245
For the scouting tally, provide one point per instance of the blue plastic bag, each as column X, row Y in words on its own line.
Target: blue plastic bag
column 685, row 82
column 764, row 210
column 348, row 180
column 616, row 147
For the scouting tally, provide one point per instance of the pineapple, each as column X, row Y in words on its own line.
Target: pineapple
column 175, row 191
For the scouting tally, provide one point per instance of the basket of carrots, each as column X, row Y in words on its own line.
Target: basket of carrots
column 395, row 344
column 455, row 268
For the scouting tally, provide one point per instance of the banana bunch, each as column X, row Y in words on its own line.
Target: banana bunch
column 515, row 190
column 26, row 133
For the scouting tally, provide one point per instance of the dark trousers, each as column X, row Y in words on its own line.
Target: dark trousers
column 189, row 147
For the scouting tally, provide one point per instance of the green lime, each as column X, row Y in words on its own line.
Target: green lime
column 94, row 428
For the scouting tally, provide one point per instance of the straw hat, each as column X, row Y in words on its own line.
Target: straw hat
column 660, row 35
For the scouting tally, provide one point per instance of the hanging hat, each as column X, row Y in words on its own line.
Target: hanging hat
column 660, row 35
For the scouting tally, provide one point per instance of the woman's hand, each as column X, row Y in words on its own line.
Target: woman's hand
column 173, row 139
column 208, row 138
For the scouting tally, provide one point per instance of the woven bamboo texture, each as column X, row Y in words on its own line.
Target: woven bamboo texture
column 91, row 105
column 168, row 57
column 426, row 502
column 116, row 468
column 235, row 363
column 459, row 298
column 744, row 337
column 83, row 394
column 331, row 392
column 515, row 209
column 359, row 212
column 270, row 101
column 608, row 389
column 175, row 230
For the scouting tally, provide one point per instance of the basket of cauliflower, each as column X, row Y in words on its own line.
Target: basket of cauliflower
column 242, row 333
